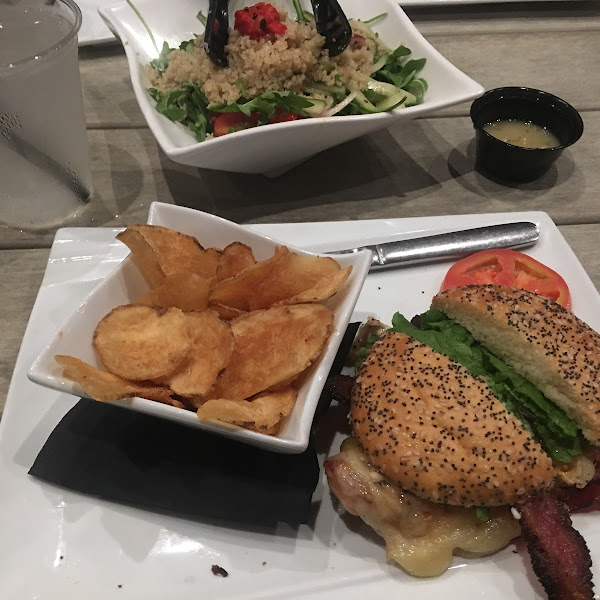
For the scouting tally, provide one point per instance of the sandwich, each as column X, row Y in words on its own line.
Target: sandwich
column 473, row 424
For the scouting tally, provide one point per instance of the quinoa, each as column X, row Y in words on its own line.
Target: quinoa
column 289, row 62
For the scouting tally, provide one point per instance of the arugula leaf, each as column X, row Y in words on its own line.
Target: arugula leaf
column 167, row 106
column 161, row 63
column 266, row 104
column 154, row 93
column 187, row 106
column 557, row 433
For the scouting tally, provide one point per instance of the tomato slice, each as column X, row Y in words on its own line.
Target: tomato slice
column 508, row 267
column 235, row 121
column 282, row 116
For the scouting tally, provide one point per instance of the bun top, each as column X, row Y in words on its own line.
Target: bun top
column 540, row 340
column 439, row 432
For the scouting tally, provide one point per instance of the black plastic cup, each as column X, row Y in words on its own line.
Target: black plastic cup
column 513, row 163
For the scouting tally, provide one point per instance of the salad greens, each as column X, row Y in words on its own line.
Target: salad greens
column 481, row 512
column 393, row 83
column 186, row 106
column 557, row 433
column 266, row 104
column 201, row 17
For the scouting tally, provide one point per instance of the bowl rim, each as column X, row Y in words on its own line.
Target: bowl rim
column 527, row 94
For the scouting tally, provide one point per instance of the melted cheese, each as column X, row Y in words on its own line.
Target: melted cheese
column 420, row 536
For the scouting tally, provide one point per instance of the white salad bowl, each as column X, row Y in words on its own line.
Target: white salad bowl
column 273, row 148
column 125, row 284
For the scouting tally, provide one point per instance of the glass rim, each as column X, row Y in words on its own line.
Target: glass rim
column 75, row 26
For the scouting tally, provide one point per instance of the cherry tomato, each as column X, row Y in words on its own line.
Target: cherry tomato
column 282, row 116
column 258, row 21
column 235, row 121
column 508, row 267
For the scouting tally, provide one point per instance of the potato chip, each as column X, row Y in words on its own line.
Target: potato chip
column 227, row 312
column 107, row 387
column 184, row 290
column 143, row 256
column 212, row 347
column 299, row 278
column 325, row 288
column 173, row 251
column 237, row 291
column 234, row 259
column 272, row 346
column 262, row 413
column 140, row 342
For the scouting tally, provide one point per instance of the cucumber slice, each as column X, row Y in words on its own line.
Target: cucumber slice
column 327, row 89
column 362, row 29
column 317, row 108
column 380, row 63
column 364, row 104
column 396, row 101
column 382, row 88
column 385, row 105
column 411, row 99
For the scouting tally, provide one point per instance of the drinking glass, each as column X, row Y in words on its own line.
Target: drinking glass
column 45, row 178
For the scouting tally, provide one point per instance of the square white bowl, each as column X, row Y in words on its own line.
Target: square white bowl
column 273, row 149
column 125, row 284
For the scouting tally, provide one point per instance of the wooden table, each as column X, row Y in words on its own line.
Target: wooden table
column 420, row 168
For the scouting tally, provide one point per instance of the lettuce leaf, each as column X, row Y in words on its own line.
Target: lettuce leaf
column 557, row 433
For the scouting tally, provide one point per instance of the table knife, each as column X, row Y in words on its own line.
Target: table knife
column 455, row 244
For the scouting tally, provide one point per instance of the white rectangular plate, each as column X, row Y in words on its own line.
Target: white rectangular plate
column 153, row 557
column 441, row 3
column 93, row 29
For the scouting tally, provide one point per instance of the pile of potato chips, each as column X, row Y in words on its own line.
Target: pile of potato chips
column 219, row 332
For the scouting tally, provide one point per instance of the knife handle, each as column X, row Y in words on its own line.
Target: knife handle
column 456, row 244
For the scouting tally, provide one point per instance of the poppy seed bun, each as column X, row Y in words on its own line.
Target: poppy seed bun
column 539, row 339
column 429, row 425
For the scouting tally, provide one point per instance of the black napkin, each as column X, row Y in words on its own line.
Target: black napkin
column 136, row 459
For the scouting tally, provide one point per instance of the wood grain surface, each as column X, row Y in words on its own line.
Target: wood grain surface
column 419, row 168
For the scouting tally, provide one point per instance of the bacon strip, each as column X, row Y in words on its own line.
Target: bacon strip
column 582, row 500
column 339, row 388
column 559, row 555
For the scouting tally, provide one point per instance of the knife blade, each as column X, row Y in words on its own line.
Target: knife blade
column 455, row 244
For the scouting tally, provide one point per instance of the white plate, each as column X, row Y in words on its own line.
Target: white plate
column 93, row 28
column 95, row 31
column 154, row 557
column 285, row 144
column 441, row 3
column 125, row 284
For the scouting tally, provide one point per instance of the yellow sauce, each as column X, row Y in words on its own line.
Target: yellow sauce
column 522, row 133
